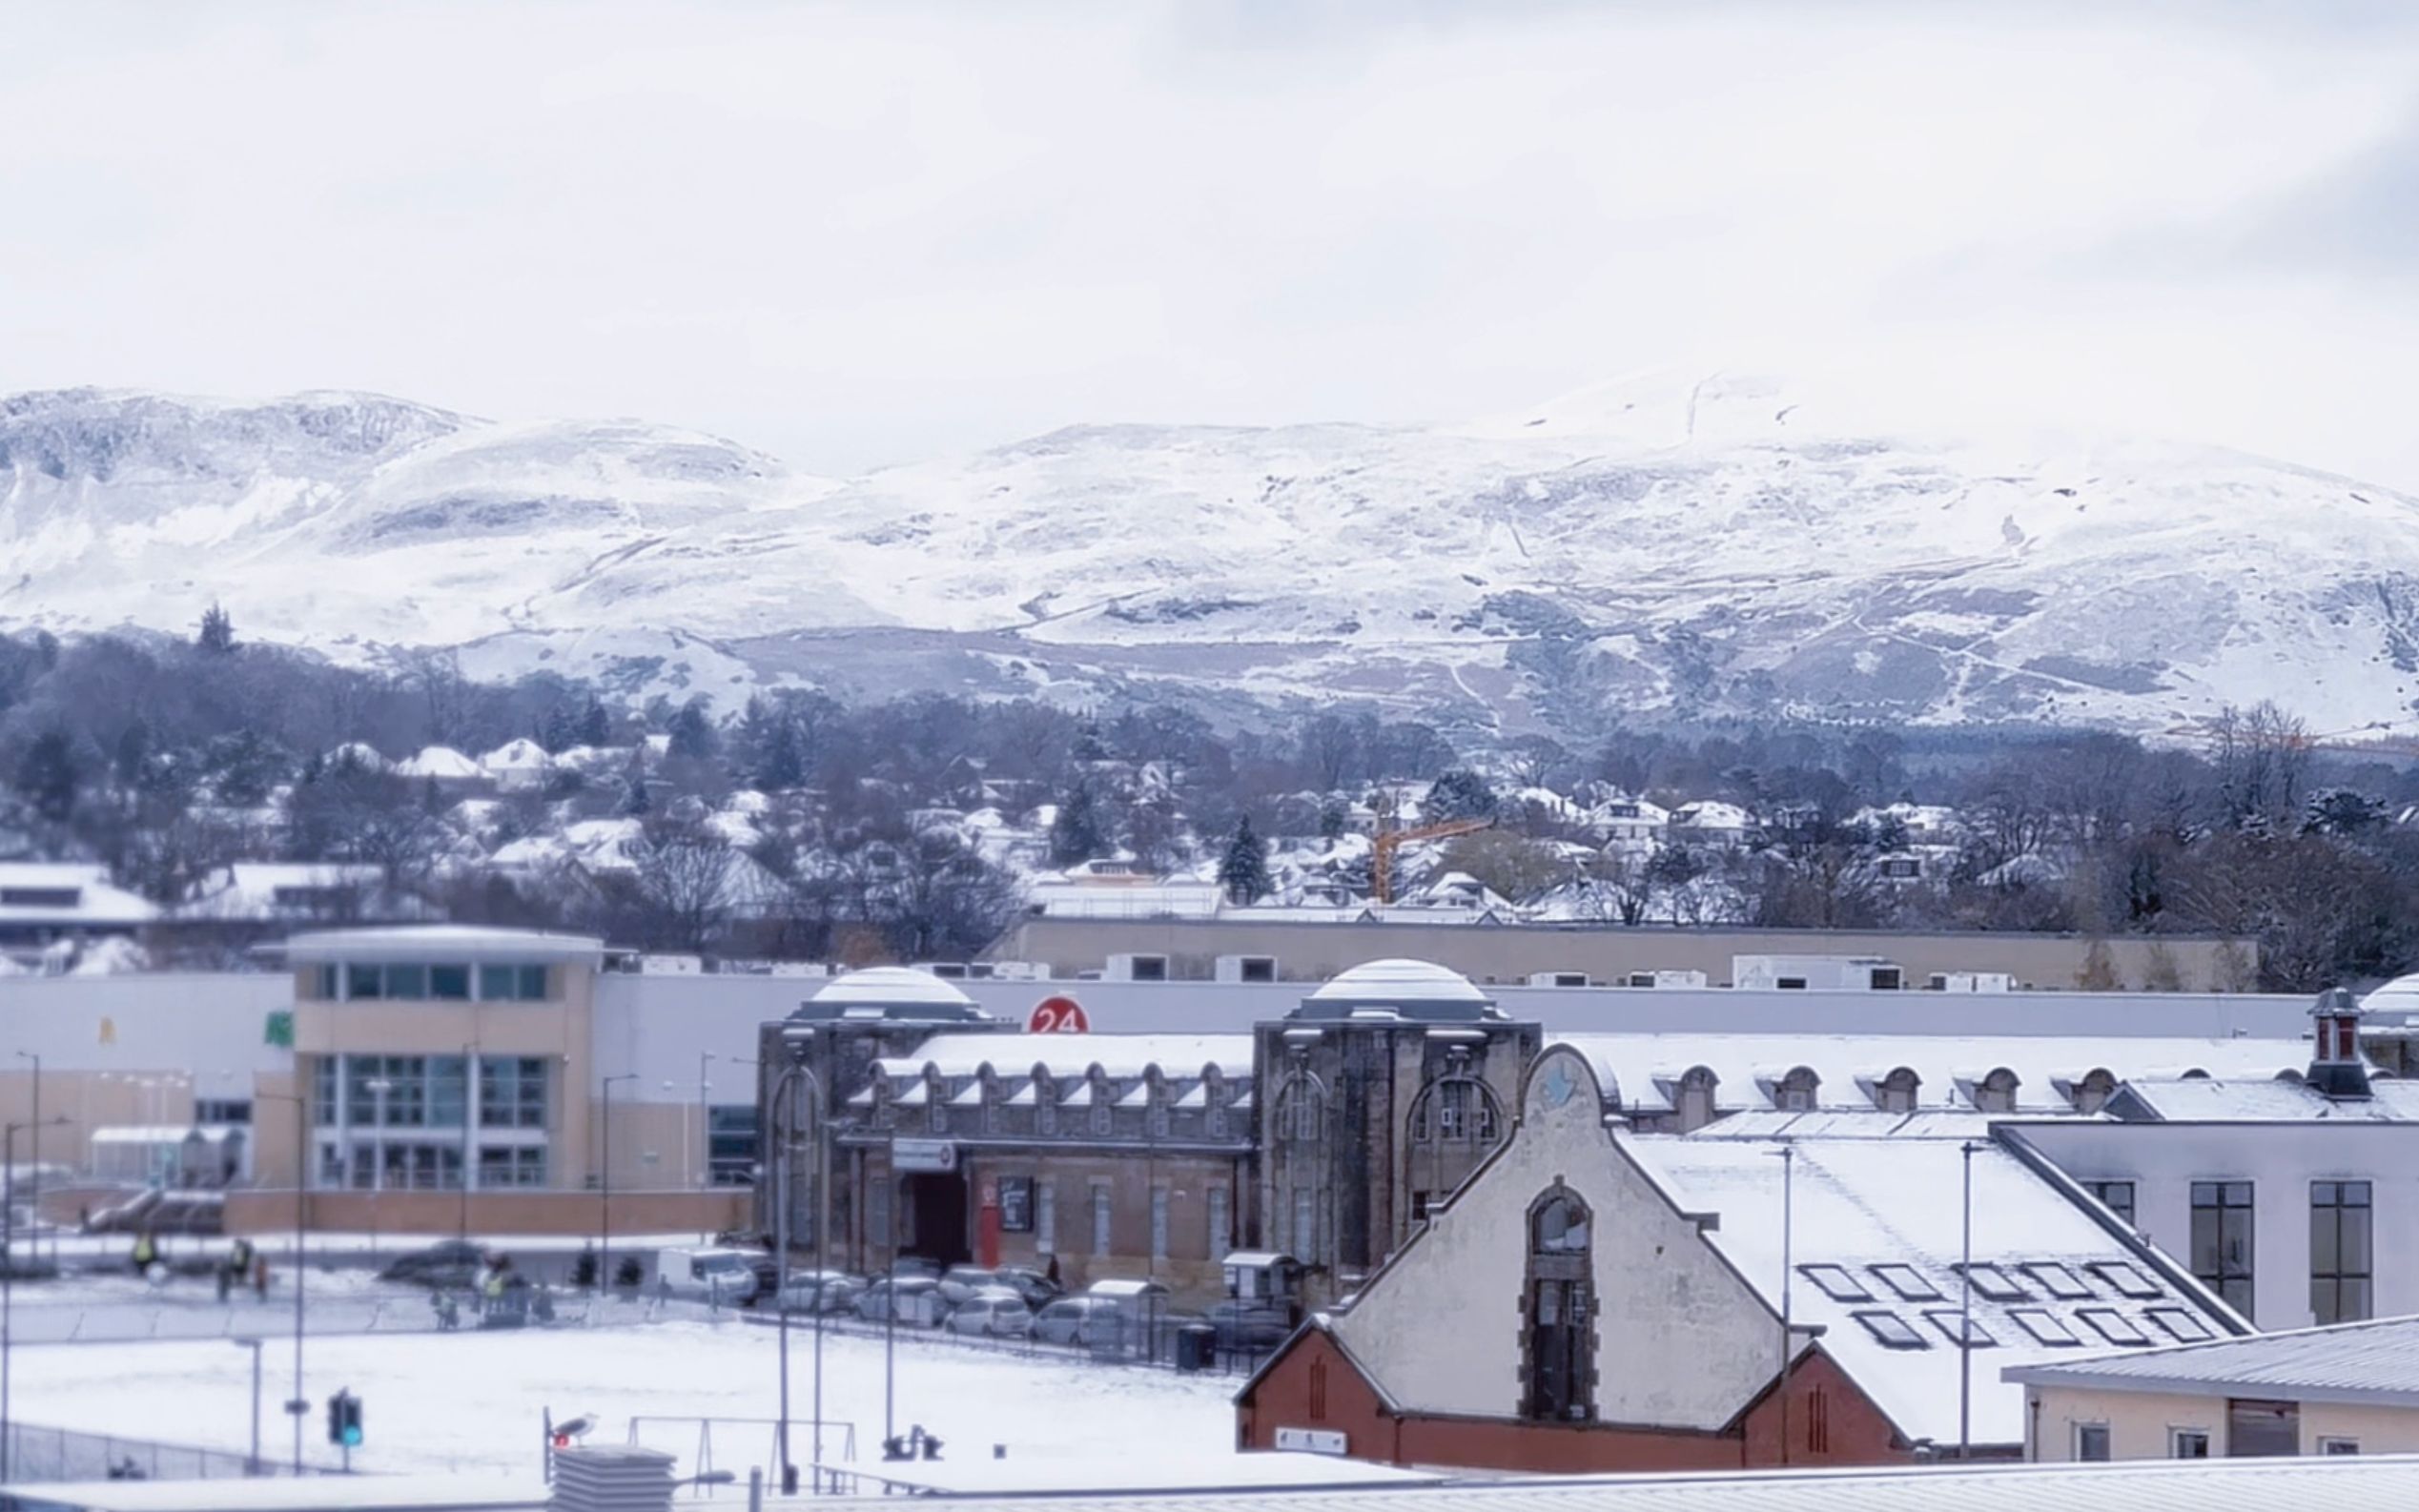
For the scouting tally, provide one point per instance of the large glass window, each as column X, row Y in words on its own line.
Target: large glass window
column 2222, row 1241
column 403, row 1092
column 512, row 1092
column 730, row 1145
column 2117, row 1196
column 450, row 982
column 512, row 1166
column 2338, row 1252
column 1560, row 1354
column 504, row 982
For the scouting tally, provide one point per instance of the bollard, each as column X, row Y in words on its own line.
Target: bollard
column 756, row 1489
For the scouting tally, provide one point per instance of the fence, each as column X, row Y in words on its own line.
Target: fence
column 36, row 1452
column 693, row 1438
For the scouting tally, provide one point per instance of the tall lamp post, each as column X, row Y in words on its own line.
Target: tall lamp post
column 7, row 1278
column 1965, row 1316
column 377, row 1088
column 469, row 1123
column 33, row 1158
column 784, row 1135
column 297, row 1406
column 604, row 1181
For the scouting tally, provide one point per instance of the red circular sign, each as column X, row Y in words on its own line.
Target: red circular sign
column 1057, row 1015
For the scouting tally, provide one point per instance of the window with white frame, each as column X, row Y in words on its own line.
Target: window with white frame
column 1100, row 1217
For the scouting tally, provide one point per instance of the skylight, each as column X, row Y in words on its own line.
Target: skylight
column 2059, row 1282
column 1907, row 1281
column 2044, row 1328
column 1990, row 1281
column 1836, row 1282
column 2113, row 1325
column 2178, row 1324
column 1890, row 1331
column 2126, row 1278
column 1977, row 1337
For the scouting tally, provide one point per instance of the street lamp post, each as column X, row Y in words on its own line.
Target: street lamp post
column 605, row 1180
column 1965, row 1316
column 7, row 1280
column 469, row 1123
column 783, row 1138
column 33, row 1158
column 377, row 1088
column 296, row 1406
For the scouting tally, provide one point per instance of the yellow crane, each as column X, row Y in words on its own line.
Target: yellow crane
column 1387, row 841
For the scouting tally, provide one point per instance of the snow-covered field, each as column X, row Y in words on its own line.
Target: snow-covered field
column 472, row 1401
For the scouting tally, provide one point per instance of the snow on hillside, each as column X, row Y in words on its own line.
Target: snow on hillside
column 1707, row 545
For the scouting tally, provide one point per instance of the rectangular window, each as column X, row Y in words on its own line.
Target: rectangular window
column 363, row 980
column 2127, row 1280
column 323, row 1085
column 451, row 983
column 2335, row 1446
column 877, row 1212
column 1016, row 1204
column 223, row 1111
column 2117, row 1196
column 1100, row 1213
column 1158, row 1222
column 1907, row 1281
column 1222, row 1223
column 2044, row 1327
column 1835, row 1283
column 407, row 980
column 1046, row 1217
column 2260, row 1430
column 512, row 1092
column 2339, row 1231
column 2222, row 1241
column 1818, row 1422
column 325, row 983
column 730, row 1145
column 1989, row 1281
column 2057, row 1280
column 2189, row 1443
column 512, row 1166
column 1890, row 1331
column 508, row 983
column 2184, row 1328
column 1977, row 1337
column 1305, row 1228
column 2091, row 1443
column 2113, row 1325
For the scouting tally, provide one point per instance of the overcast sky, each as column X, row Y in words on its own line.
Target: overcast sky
column 857, row 235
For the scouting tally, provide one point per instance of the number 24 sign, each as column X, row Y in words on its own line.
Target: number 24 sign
column 1057, row 1015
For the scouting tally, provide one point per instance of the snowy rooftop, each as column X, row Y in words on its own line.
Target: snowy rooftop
column 1418, row 989
column 891, row 987
column 1874, row 1240
column 2370, row 1363
column 2180, row 1099
column 68, row 892
column 431, row 941
column 1640, row 1072
column 1120, row 1056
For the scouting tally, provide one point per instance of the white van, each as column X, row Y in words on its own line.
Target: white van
column 727, row 1277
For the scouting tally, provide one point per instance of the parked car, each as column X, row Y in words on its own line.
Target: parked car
column 1250, row 1325
column 915, row 1267
column 993, row 1313
column 725, row 1277
column 961, row 1282
column 820, row 1291
column 916, row 1299
column 447, row 1263
column 1078, row 1320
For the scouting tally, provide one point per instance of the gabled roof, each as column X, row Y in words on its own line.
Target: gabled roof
column 2197, row 1099
column 1858, row 1207
column 2375, row 1363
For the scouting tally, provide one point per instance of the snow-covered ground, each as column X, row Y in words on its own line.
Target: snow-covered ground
column 472, row 1401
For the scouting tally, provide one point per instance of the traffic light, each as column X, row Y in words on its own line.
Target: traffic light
column 344, row 1420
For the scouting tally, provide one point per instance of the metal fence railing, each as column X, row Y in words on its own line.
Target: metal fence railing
column 40, row 1453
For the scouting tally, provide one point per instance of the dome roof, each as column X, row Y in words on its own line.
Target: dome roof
column 2401, row 996
column 1411, row 990
column 1420, row 981
column 891, row 987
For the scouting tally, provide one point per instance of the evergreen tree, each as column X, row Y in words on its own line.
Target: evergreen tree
column 1459, row 794
column 596, row 725
column 693, row 735
column 1334, row 819
column 48, row 775
column 217, row 634
column 782, row 765
column 1243, row 871
column 1076, row 833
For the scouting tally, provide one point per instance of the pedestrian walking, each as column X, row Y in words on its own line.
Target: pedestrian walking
column 145, row 1253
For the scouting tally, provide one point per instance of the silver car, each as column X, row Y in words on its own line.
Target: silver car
column 1082, row 1321
column 915, row 1299
column 993, row 1313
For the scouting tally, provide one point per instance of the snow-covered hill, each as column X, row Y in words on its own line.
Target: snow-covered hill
column 1701, row 546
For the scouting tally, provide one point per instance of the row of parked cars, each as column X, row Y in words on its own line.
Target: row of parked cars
column 1017, row 1303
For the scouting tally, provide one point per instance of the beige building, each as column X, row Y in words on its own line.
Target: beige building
column 2349, row 1389
column 1490, row 950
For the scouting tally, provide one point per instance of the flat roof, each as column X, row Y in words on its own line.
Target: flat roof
column 442, row 941
column 310, row 1493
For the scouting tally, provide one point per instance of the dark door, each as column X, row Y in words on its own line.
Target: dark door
column 937, row 1202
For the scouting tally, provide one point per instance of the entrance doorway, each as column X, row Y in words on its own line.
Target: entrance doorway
column 936, row 1203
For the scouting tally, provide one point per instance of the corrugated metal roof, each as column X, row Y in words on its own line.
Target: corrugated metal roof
column 2383, row 1483
column 2375, row 1362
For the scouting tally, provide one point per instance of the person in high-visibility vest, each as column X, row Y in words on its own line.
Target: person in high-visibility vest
column 145, row 1252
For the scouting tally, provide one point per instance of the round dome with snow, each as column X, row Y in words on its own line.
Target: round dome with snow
column 892, row 992
column 1412, row 988
column 2399, row 996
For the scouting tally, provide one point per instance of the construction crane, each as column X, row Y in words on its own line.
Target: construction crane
column 1387, row 841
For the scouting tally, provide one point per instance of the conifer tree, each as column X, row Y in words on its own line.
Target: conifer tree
column 1244, row 870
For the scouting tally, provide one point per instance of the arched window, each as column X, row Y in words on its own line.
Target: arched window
column 2092, row 1093
column 1797, row 1090
column 935, row 1102
column 1157, row 1120
column 1455, row 1109
column 1696, row 1103
column 1301, row 1111
column 1558, row 1357
column 1213, row 1103
column 1897, row 1092
column 1996, row 1092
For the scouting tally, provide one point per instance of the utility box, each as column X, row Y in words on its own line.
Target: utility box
column 1246, row 969
column 1135, row 968
column 1557, row 978
column 1816, row 973
column 1665, row 979
column 1972, row 982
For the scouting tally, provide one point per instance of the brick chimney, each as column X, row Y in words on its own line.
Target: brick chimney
column 2336, row 1068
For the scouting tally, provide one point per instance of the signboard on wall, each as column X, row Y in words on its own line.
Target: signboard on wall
column 1016, row 1204
column 923, row 1154
column 1311, row 1440
column 1057, row 1015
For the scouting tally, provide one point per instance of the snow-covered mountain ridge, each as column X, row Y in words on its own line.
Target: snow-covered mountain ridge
column 1701, row 547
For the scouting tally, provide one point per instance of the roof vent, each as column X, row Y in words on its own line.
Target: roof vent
column 2335, row 1064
